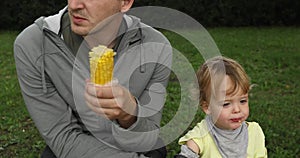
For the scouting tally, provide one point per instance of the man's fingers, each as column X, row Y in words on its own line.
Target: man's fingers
column 105, row 91
column 99, row 102
column 105, row 112
column 92, row 100
column 97, row 110
column 111, row 101
column 90, row 89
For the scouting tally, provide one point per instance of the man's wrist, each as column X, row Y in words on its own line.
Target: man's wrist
column 130, row 116
column 127, row 121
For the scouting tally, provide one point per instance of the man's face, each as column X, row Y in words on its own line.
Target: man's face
column 86, row 14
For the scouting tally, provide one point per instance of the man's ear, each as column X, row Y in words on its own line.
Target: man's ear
column 205, row 107
column 126, row 5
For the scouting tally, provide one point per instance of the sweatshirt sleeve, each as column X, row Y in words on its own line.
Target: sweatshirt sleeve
column 52, row 116
column 143, row 134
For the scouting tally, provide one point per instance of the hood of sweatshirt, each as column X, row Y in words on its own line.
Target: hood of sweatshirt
column 130, row 30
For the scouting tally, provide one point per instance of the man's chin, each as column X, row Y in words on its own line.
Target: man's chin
column 80, row 30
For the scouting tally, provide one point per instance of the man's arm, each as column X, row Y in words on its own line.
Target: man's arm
column 112, row 101
column 143, row 134
column 52, row 116
column 136, row 120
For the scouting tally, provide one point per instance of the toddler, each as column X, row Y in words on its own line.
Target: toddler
column 224, row 88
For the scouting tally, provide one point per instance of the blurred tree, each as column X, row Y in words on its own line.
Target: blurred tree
column 18, row 14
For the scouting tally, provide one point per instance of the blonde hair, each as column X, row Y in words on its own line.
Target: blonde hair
column 213, row 71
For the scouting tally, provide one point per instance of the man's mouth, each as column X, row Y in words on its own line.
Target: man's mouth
column 78, row 19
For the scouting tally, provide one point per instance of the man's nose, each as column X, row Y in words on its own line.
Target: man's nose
column 75, row 4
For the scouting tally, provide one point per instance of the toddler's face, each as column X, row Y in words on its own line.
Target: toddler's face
column 229, row 111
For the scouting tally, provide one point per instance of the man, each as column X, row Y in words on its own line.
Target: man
column 75, row 117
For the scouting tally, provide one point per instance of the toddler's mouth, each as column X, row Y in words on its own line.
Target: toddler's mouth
column 239, row 120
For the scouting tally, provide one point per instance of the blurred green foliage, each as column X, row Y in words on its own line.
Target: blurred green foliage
column 18, row 14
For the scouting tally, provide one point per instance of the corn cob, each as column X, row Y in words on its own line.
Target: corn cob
column 101, row 64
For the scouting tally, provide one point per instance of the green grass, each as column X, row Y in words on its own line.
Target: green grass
column 269, row 55
column 18, row 135
column 271, row 58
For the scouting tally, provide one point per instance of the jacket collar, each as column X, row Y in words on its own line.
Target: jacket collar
column 53, row 22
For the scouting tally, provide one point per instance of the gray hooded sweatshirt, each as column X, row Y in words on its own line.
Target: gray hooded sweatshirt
column 52, row 80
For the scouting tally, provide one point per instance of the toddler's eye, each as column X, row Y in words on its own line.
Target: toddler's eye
column 226, row 104
column 243, row 101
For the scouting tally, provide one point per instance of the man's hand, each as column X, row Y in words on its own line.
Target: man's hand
column 112, row 101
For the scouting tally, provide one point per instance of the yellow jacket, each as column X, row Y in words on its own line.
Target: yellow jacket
column 208, row 149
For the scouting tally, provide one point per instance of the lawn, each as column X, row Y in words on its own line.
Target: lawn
column 269, row 55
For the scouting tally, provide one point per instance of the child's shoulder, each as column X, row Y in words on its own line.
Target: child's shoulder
column 256, row 141
column 254, row 127
column 198, row 132
column 201, row 127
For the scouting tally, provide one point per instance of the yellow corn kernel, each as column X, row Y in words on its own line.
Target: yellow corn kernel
column 101, row 64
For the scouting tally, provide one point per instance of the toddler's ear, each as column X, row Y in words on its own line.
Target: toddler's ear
column 205, row 107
